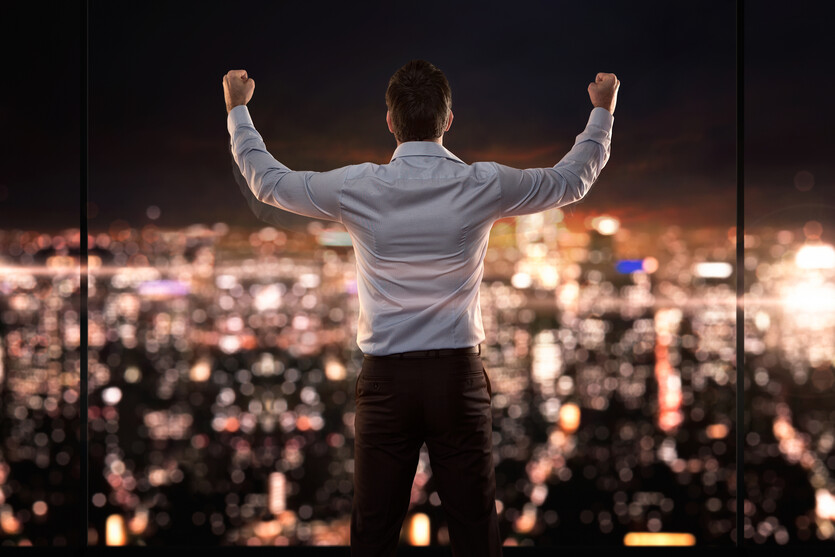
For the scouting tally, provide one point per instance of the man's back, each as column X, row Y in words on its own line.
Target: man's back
column 420, row 227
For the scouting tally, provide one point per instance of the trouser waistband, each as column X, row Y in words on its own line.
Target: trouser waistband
column 437, row 353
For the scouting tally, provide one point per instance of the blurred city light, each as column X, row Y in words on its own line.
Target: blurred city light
column 419, row 530
column 627, row 266
column 162, row 288
column 277, row 493
column 606, row 225
column 9, row 522
column 824, row 504
column 815, row 256
column 521, row 280
column 650, row 264
column 717, row 270
column 139, row 522
column 201, row 370
column 569, row 417
column 717, row 431
column 527, row 520
column 810, row 297
column 659, row 538
column 115, row 531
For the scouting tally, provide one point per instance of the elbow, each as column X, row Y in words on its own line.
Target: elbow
column 576, row 187
column 258, row 190
column 266, row 185
column 265, row 194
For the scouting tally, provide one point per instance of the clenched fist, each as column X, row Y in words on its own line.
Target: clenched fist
column 604, row 91
column 237, row 88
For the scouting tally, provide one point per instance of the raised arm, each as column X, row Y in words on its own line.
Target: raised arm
column 536, row 189
column 311, row 194
column 269, row 214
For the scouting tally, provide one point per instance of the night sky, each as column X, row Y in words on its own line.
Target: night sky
column 518, row 71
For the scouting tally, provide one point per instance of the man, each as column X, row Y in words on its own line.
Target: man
column 420, row 226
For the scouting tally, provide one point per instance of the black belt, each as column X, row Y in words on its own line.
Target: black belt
column 429, row 353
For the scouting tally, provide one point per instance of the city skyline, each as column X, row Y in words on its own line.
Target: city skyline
column 631, row 375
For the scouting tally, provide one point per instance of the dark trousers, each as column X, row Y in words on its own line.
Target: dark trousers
column 402, row 403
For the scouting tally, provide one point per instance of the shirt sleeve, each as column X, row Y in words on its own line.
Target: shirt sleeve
column 267, row 213
column 536, row 189
column 308, row 193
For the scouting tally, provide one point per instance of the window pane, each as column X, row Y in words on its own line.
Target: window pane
column 789, row 281
column 222, row 377
column 40, row 280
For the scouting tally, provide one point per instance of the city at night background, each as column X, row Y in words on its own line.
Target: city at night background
column 221, row 350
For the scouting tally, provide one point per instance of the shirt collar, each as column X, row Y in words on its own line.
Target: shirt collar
column 423, row 149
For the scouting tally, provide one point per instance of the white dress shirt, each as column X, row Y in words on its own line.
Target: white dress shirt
column 420, row 224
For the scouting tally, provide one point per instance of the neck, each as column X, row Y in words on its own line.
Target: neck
column 438, row 140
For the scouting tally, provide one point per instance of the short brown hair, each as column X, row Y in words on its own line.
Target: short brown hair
column 419, row 100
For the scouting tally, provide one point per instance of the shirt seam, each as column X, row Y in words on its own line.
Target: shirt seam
column 339, row 197
column 496, row 171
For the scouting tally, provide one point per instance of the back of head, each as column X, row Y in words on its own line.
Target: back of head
column 419, row 100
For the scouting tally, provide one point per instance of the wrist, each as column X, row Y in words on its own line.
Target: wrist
column 237, row 117
column 231, row 105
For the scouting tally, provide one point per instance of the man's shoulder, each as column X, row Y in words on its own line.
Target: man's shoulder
column 485, row 169
column 362, row 169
